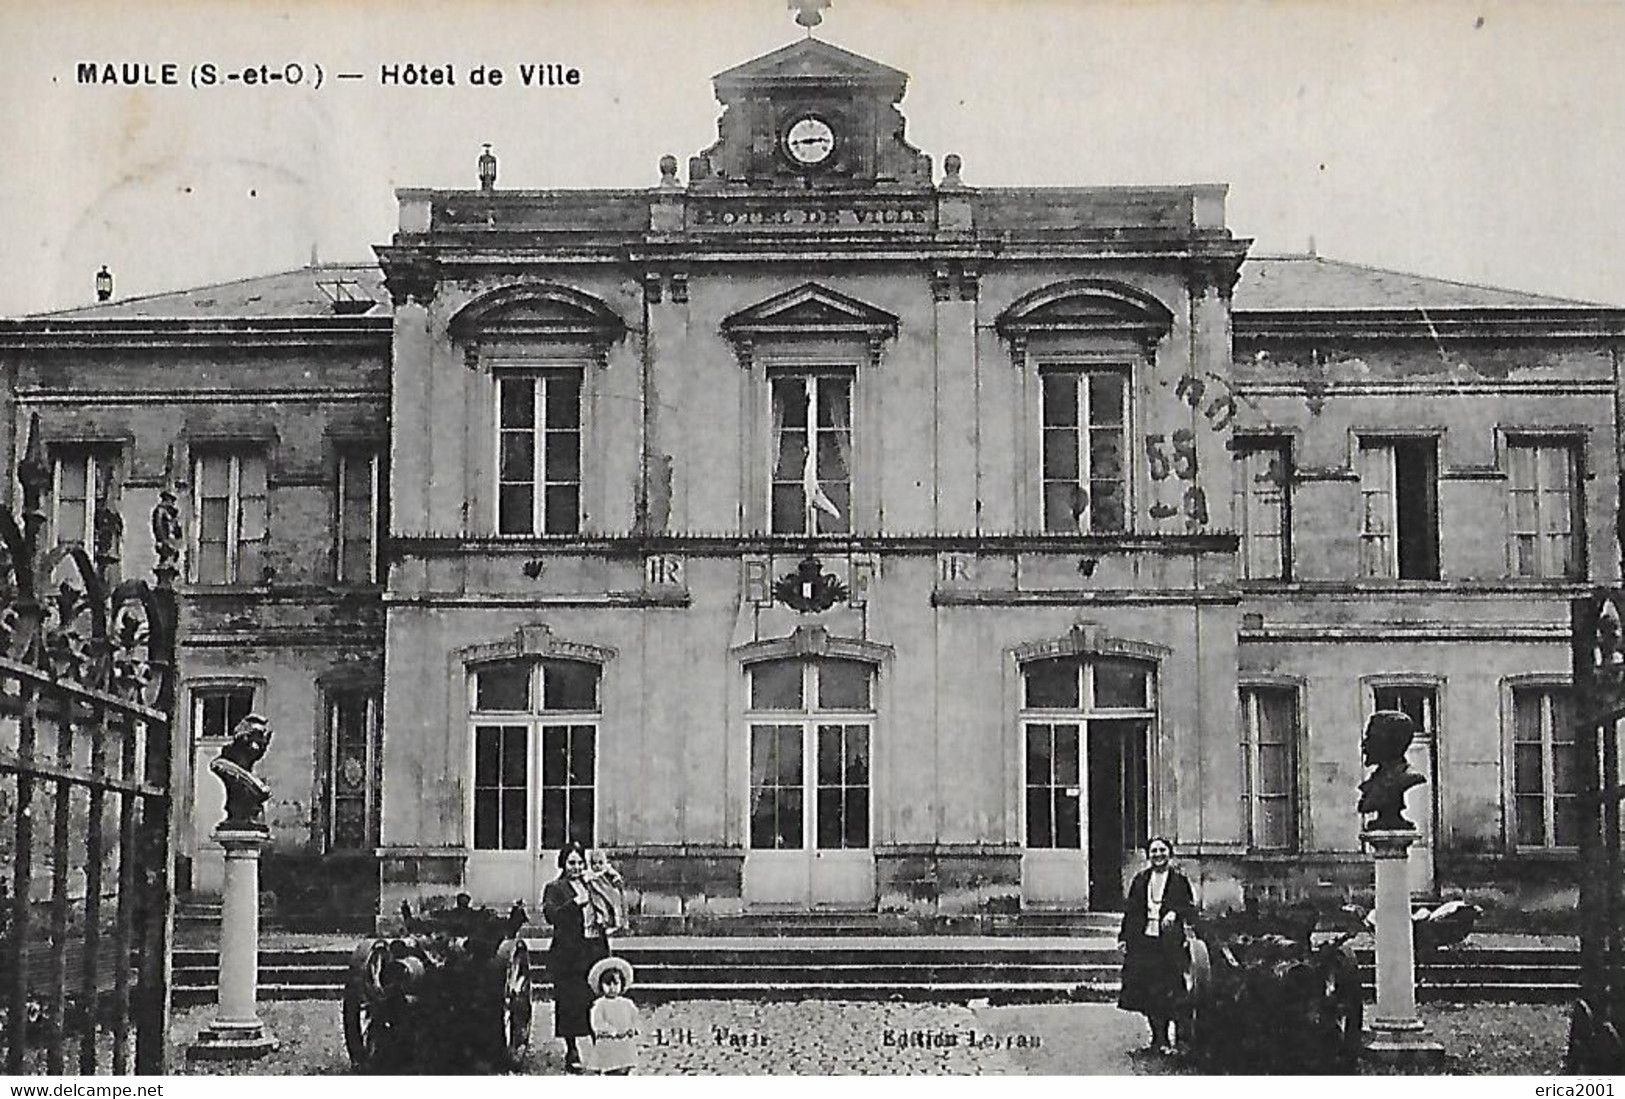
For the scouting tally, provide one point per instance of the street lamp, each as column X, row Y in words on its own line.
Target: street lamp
column 104, row 284
column 488, row 169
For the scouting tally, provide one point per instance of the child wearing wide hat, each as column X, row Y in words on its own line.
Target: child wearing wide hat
column 614, row 1018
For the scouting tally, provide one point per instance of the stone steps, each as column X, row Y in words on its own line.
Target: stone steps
column 942, row 968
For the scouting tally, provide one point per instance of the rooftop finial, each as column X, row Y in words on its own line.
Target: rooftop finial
column 809, row 13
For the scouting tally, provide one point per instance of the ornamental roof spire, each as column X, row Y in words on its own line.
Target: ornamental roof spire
column 809, row 13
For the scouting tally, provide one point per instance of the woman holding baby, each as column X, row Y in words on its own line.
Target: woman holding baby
column 584, row 908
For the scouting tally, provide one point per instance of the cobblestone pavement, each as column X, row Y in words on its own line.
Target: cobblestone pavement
column 839, row 1038
column 709, row 1038
column 789, row 1038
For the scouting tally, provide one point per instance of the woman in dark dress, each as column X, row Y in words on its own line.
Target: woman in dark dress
column 1160, row 903
column 578, row 942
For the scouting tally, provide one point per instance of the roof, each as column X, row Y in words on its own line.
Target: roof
column 1316, row 284
column 1269, row 285
column 307, row 292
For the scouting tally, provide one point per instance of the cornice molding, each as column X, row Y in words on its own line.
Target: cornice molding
column 811, row 642
column 136, row 333
column 411, row 274
column 1380, row 632
column 512, row 601
column 1088, row 639
column 83, row 397
column 1436, row 386
column 629, row 546
column 1429, row 324
column 535, row 641
column 1072, row 597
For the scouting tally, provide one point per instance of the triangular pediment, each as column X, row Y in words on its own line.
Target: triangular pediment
column 812, row 308
column 809, row 60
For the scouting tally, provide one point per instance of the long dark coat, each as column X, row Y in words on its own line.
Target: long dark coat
column 570, row 955
column 1153, row 966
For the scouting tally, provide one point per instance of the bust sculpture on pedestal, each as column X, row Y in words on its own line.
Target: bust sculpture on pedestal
column 1388, row 736
column 237, row 1031
column 1396, row 1033
column 246, row 792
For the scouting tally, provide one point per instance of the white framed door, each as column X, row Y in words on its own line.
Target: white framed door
column 810, row 803
column 1055, row 864
column 1085, row 769
column 810, row 815
column 533, row 771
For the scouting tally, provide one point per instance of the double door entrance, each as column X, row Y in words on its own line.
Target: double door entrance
column 1087, row 810
column 1086, row 744
column 810, row 800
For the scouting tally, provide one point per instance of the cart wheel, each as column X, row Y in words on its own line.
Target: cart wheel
column 514, row 964
column 366, row 1032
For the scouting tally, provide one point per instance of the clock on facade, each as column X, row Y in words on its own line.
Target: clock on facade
column 809, row 140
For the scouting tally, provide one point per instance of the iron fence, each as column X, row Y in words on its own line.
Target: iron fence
column 1599, row 690
column 87, row 698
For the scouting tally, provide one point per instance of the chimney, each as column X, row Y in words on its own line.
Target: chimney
column 104, row 284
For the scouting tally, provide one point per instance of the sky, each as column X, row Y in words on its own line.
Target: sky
column 1481, row 142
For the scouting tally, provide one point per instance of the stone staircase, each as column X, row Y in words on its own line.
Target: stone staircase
column 753, row 967
column 1006, row 969
column 195, row 918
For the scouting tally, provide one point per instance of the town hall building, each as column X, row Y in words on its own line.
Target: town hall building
column 817, row 530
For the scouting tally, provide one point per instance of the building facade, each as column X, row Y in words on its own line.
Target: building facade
column 823, row 532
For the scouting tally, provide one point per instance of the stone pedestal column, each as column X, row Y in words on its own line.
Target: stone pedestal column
column 1396, row 1033
column 237, row 1032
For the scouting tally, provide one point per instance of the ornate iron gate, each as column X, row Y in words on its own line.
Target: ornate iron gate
column 87, row 697
column 1599, row 690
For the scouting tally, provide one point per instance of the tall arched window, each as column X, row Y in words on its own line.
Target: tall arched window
column 534, row 727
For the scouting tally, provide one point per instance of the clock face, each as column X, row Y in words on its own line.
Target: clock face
column 809, row 140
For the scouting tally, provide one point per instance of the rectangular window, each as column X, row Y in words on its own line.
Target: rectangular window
column 843, row 786
column 1542, row 479
column 776, row 787
column 539, row 453
column 80, row 477
column 812, row 453
column 230, row 502
column 1545, row 768
column 1262, row 475
column 567, row 785
column 353, row 758
column 1269, row 751
column 217, row 710
column 1399, row 515
column 1053, row 795
column 501, row 765
column 359, row 493
column 1085, row 475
